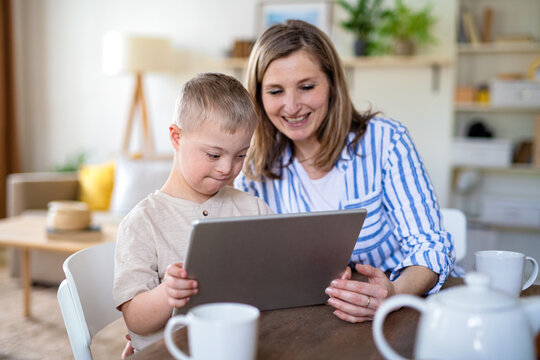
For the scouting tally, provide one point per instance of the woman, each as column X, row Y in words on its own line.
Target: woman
column 313, row 151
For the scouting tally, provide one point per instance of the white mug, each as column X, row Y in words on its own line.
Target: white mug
column 505, row 268
column 219, row 331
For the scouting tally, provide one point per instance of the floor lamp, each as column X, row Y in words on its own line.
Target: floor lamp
column 136, row 55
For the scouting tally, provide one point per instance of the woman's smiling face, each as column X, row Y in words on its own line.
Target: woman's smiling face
column 295, row 94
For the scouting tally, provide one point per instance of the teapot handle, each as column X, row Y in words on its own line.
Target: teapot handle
column 387, row 307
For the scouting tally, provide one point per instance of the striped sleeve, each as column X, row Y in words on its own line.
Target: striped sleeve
column 254, row 188
column 412, row 207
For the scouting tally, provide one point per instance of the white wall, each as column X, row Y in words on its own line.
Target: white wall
column 66, row 104
column 425, row 111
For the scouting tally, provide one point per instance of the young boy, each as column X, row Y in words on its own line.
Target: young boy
column 211, row 132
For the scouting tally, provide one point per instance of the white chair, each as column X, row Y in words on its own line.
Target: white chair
column 85, row 296
column 455, row 222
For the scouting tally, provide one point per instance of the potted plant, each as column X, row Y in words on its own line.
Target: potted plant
column 362, row 22
column 407, row 28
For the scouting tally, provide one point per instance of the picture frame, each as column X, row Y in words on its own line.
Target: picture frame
column 315, row 12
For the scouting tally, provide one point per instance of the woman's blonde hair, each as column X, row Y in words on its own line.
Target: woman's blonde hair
column 268, row 144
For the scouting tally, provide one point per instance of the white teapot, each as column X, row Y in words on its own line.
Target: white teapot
column 467, row 322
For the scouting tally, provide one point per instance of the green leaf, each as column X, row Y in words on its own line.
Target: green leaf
column 72, row 163
column 403, row 22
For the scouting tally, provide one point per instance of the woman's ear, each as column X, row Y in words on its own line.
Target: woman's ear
column 175, row 133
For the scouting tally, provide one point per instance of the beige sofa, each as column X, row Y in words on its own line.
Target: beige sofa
column 134, row 179
column 32, row 191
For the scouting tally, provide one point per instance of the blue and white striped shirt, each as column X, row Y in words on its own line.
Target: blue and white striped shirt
column 385, row 175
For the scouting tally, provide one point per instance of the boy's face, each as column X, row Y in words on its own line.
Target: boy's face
column 208, row 158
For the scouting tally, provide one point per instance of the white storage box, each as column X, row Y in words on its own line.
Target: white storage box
column 514, row 212
column 481, row 152
column 515, row 94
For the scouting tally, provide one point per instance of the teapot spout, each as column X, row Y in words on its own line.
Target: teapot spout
column 531, row 306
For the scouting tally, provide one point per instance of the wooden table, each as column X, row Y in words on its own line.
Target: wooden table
column 27, row 232
column 313, row 332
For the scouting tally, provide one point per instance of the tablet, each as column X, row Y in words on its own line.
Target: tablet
column 270, row 261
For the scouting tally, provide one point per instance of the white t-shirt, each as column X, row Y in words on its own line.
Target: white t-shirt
column 155, row 233
column 324, row 193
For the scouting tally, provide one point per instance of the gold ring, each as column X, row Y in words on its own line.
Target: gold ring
column 368, row 301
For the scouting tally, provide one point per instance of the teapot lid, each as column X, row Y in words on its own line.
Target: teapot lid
column 476, row 295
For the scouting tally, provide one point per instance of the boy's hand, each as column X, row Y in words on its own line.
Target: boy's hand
column 128, row 350
column 177, row 286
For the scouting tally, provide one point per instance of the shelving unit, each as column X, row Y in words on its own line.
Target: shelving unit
column 488, row 108
column 516, row 169
column 363, row 61
column 238, row 65
column 490, row 48
column 435, row 62
column 511, row 185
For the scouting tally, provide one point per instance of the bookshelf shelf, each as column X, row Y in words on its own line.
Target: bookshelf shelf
column 487, row 108
column 499, row 48
column 523, row 169
column 397, row 61
column 365, row 61
column 236, row 63
column 435, row 62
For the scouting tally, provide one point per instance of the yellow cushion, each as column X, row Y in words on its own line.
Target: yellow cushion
column 96, row 184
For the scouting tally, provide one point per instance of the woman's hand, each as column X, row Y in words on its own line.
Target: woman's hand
column 177, row 286
column 357, row 301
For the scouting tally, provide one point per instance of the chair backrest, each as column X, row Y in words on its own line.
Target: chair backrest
column 85, row 296
column 455, row 223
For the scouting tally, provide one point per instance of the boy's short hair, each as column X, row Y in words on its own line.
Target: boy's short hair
column 211, row 94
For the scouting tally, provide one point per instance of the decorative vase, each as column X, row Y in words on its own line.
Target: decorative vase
column 404, row 47
column 360, row 47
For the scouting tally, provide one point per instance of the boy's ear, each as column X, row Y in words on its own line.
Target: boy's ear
column 175, row 133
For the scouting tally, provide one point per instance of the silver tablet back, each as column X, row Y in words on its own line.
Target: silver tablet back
column 272, row 261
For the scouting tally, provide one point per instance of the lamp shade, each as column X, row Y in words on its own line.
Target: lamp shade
column 124, row 53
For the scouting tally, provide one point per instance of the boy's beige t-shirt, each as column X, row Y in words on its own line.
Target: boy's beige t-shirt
column 155, row 234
